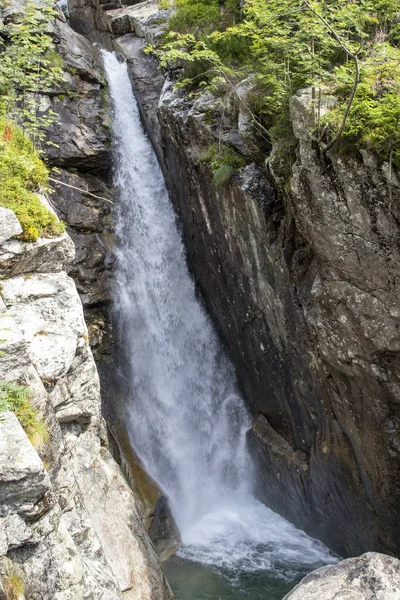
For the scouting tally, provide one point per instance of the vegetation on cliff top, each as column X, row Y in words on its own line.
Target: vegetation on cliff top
column 29, row 68
column 22, row 172
column 350, row 50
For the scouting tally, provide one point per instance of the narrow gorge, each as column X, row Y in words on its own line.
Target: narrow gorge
column 244, row 428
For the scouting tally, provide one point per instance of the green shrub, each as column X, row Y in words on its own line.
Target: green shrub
column 288, row 45
column 203, row 16
column 16, row 398
column 21, row 173
column 224, row 161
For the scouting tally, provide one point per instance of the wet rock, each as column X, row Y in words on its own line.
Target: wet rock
column 80, row 134
column 163, row 530
column 278, row 447
column 89, row 223
column 363, row 578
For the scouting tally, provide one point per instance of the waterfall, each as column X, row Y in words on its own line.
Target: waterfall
column 187, row 421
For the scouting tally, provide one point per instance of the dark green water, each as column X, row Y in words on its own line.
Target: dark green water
column 193, row 581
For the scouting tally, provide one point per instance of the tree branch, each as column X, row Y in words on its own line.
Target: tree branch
column 73, row 187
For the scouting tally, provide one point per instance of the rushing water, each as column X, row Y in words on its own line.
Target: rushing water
column 187, row 421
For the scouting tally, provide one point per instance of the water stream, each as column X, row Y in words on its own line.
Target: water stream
column 187, row 421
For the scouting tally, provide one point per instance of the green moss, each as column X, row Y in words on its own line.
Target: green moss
column 203, row 16
column 16, row 398
column 21, row 173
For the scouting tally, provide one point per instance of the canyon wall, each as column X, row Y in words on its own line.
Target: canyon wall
column 296, row 258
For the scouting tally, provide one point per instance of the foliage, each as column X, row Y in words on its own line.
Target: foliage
column 203, row 16
column 349, row 49
column 16, row 398
column 29, row 68
column 224, row 161
column 21, row 173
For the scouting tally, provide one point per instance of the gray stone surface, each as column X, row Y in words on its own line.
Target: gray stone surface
column 145, row 20
column 75, row 530
column 9, row 225
column 48, row 311
column 23, row 480
column 80, row 134
column 71, row 529
column 368, row 577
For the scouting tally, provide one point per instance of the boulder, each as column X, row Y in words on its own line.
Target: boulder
column 9, row 225
column 23, row 480
column 370, row 576
column 163, row 530
column 48, row 311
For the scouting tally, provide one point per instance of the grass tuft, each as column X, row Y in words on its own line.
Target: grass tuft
column 17, row 398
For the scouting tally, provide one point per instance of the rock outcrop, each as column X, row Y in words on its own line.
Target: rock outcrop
column 82, row 195
column 70, row 526
column 296, row 260
column 368, row 576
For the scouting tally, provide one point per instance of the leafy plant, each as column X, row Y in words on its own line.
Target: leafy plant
column 29, row 68
column 16, row 398
column 224, row 161
column 21, row 173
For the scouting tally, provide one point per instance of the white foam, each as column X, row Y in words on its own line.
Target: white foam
column 245, row 535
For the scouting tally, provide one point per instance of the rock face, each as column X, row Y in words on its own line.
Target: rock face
column 70, row 526
column 369, row 576
column 297, row 263
column 23, row 478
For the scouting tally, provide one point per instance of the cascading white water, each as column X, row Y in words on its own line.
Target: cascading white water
column 187, row 421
